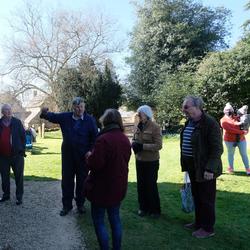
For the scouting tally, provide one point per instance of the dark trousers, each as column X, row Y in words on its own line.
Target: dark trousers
column 98, row 215
column 148, row 196
column 74, row 173
column 17, row 165
column 204, row 194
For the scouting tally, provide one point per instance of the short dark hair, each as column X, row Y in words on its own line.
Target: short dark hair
column 111, row 116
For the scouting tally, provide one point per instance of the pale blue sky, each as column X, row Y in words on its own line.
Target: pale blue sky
column 123, row 12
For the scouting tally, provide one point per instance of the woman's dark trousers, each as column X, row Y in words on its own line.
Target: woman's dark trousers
column 148, row 196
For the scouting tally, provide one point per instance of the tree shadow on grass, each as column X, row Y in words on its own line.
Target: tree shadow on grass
column 48, row 136
column 167, row 232
column 240, row 173
column 38, row 150
column 36, row 178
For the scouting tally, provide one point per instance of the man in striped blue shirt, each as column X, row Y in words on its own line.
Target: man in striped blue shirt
column 201, row 150
column 187, row 149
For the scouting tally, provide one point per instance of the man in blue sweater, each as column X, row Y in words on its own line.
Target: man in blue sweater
column 79, row 131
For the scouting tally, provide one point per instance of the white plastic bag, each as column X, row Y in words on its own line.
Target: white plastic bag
column 187, row 201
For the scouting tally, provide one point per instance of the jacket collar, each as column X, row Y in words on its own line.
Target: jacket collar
column 108, row 128
column 141, row 126
column 199, row 123
column 6, row 122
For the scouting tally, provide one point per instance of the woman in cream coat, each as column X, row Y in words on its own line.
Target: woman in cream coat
column 147, row 141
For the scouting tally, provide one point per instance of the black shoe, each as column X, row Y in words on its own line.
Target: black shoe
column 141, row 213
column 4, row 199
column 81, row 210
column 64, row 211
column 19, row 202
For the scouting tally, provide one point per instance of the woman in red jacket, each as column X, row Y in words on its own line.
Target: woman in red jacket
column 234, row 137
column 106, row 184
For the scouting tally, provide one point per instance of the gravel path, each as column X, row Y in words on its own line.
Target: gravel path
column 36, row 223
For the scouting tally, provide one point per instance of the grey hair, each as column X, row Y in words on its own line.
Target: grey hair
column 77, row 101
column 196, row 100
column 4, row 106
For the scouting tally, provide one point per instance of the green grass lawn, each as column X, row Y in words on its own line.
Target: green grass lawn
column 233, row 202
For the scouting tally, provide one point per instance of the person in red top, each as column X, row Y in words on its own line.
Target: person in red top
column 106, row 184
column 234, row 137
column 12, row 152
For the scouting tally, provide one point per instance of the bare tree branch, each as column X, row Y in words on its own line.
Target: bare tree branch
column 42, row 46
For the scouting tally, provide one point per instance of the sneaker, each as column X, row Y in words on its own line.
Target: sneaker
column 202, row 234
column 230, row 170
column 248, row 171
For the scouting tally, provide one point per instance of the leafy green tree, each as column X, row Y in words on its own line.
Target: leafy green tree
column 168, row 34
column 105, row 93
column 225, row 77
column 246, row 24
column 100, row 89
column 68, row 85
column 170, row 97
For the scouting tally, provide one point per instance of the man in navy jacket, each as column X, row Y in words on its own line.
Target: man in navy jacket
column 12, row 152
column 79, row 131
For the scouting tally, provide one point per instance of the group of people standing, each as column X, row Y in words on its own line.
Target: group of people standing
column 98, row 162
column 95, row 163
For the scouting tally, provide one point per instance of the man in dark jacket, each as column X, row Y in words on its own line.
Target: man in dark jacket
column 201, row 150
column 12, row 151
column 79, row 131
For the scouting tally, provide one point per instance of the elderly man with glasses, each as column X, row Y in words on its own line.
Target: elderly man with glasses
column 201, row 150
column 79, row 131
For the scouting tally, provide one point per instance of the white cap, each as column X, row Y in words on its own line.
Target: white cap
column 243, row 110
column 146, row 110
column 228, row 108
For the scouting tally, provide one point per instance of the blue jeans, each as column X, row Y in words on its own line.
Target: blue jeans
column 98, row 214
column 242, row 145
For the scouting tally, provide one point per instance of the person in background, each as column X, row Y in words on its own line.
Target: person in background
column 146, row 144
column 12, row 152
column 244, row 118
column 106, row 184
column 234, row 137
column 79, row 131
column 201, row 150
column 33, row 132
column 28, row 139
